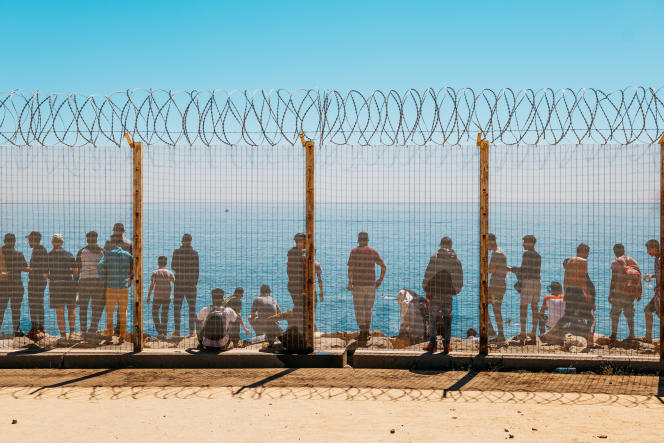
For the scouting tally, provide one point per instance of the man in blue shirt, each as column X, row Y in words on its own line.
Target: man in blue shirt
column 115, row 269
column 61, row 270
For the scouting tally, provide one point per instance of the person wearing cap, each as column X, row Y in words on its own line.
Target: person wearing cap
column 497, row 286
column 62, row 294
column 262, row 308
column 295, row 269
column 529, row 275
column 11, row 287
column 555, row 304
column 115, row 269
column 126, row 245
column 37, row 283
column 363, row 284
column 185, row 264
column 90, row 286
column 443, row 279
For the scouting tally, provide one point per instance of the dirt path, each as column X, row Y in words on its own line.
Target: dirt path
column 327, row 405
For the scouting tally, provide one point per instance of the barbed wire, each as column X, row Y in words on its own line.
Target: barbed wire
column 444, row 116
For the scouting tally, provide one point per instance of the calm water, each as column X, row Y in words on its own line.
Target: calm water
column 246, row 244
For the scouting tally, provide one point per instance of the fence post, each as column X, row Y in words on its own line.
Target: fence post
column 661, row 245
column 309, row 293
column 484, row 251
column 137, row 150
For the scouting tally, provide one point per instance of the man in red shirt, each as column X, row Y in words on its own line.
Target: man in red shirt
column 362, row 282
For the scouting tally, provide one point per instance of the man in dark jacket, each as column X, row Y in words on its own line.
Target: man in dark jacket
column 443, row 279
column 185, row 265
column 37, row 283
column 61, row 270
column 296, row 276
column 11, row 287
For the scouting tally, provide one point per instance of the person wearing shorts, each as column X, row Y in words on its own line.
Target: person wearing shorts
column 654, row 305
column 576, row 276
column 497, row 286
column 363, row 284
column 160, row 283
column 61, row 291
column 620, row 303
column 529, row 274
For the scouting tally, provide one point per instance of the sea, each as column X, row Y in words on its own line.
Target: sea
column 245, row 245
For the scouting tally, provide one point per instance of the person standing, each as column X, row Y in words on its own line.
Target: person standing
column 576, row 279
column 363, row 284
column 161, row 284
column 125, row 244
column 37, row 283
column 185, row 265
column 529, row 274
column 497, row 286
column 652, row 247
column 90, row 286
column 295, row 269
column 621, row 302
column 443, row 279
column 115, row 269
column 11, row 287
column 61, row 271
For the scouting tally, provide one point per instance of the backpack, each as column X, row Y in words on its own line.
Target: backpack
column 214, row 324
column 631, row 286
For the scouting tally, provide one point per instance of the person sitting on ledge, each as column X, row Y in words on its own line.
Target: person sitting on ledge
column 215, row 323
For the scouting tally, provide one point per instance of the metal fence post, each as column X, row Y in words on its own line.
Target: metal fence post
column 661, row 245
column 484, row 251
column 137, row 149
column 309, row 294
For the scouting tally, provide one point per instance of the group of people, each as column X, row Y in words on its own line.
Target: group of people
column 100, row 276
column 99, row 279
column 571, row 305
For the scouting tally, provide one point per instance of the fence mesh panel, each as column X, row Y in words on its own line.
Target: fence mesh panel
column 566, row 196
column 58, row 190
column 243, row 206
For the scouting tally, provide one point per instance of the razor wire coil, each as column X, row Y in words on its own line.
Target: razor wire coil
column 436, row 117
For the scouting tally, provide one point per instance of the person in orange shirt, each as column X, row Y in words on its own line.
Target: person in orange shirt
column 577, row 283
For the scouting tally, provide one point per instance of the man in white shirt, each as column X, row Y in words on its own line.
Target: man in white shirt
column 216, row 336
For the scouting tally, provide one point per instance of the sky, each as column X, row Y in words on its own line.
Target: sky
column 100, row 47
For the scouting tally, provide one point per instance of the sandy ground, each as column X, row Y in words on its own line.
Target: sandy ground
column 327, row 405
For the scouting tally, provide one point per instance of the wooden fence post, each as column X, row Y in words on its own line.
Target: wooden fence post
column 309, row 297
column 661, row 245
column 484, row 251
column 137, row 335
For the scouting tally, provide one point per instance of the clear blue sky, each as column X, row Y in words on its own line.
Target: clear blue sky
column 100, row 47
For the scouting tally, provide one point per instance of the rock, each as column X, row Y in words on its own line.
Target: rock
column 392, row 431
column 574, row 341
column 380, row 343
column 331, row 343
column 602, row 340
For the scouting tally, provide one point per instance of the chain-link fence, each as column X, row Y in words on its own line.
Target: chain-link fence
column 388, row 221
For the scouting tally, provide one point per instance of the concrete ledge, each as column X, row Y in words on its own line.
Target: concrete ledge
column 466, row 361
column 172, row 359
